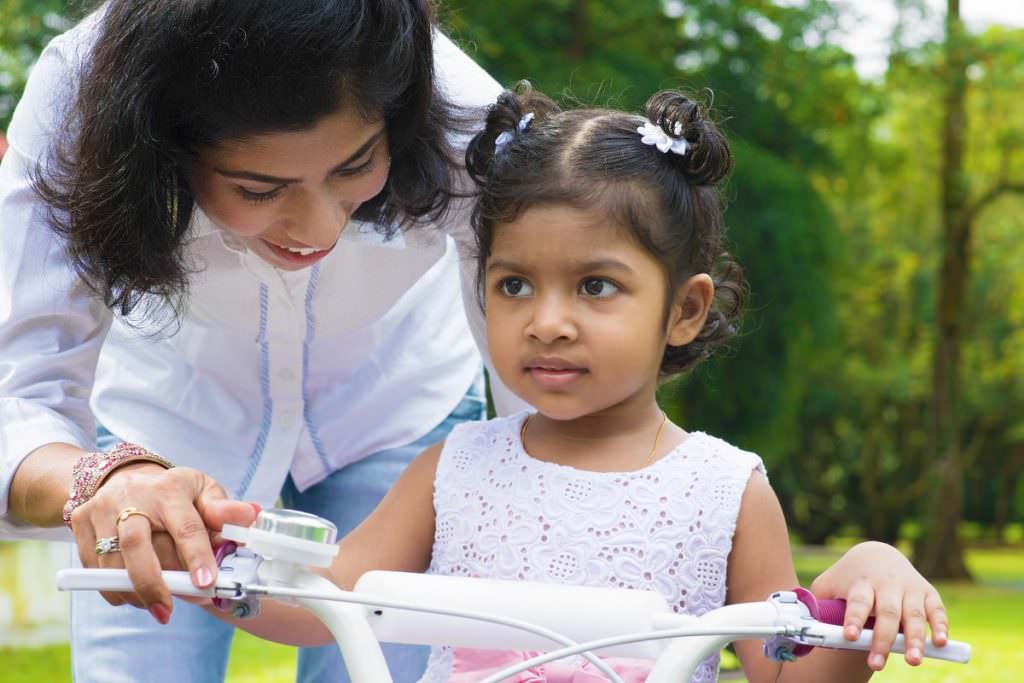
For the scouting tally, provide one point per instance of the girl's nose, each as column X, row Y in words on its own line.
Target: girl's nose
column 552, row 321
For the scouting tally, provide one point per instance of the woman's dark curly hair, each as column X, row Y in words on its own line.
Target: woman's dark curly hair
column 594, row 159
column 168, row 77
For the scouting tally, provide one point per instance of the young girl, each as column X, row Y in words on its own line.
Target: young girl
column 602, row 271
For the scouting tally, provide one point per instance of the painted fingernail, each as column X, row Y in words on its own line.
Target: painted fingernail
column 914, row 653
column 256, row 508
column 160, row 612
column 876, row 662
column 204, row 577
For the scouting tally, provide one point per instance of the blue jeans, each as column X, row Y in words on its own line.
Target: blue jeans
column 124, row 644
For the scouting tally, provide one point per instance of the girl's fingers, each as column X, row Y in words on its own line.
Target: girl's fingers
column 937, row 617
column 913, row 627
column 859, row 601
column 888, row 608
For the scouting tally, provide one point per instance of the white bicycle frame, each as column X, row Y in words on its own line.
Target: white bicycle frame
column 433, row 610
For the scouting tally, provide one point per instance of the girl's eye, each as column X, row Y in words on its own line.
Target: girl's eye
column 258, row 197
column 515, row 287
column 598, row 287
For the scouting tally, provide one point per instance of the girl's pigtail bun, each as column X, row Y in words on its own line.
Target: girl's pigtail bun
column 503, row 117
column 707, row 160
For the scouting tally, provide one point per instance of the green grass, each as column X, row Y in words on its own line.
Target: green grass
column 985, row 614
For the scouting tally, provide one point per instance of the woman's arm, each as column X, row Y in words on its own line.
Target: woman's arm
column 398, row 535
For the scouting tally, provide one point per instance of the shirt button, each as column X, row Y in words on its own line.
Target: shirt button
column 286, row 375
column 287, row 419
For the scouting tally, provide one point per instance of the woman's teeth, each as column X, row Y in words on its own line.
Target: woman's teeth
column 304, row 252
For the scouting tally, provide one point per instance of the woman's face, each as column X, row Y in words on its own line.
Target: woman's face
column 289, row 195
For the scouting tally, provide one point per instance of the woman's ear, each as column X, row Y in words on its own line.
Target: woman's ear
column 690, row 308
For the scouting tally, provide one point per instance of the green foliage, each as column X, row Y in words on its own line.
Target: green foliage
column 25, row 28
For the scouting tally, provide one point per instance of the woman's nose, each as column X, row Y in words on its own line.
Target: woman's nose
column 322, row 221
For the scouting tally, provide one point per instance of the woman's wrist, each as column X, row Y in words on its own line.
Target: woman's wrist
column 92, row 469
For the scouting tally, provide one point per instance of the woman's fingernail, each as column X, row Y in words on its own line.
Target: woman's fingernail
column 876, row 662
column 940, row 635
column 204, row 577
column 256, row 508
column 160, row 612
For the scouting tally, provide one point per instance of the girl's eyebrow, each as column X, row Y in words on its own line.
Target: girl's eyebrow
column 598, row 265
column 277, row 180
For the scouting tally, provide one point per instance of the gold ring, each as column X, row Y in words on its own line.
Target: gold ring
column 128, row 512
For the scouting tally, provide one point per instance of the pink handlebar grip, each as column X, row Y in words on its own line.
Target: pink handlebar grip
column 829, row 611
column 832, row 611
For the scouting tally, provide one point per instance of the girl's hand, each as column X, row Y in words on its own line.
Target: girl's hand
column 876, row 579
column 183, row 507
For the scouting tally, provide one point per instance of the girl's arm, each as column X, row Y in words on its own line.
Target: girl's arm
column 398, row 535
column 874, row 578
column 759, row 564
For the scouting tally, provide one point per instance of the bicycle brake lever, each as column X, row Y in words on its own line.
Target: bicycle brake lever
column 241, row 567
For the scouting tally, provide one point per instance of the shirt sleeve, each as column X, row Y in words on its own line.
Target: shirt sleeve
column 51, row 327
column 470, row 88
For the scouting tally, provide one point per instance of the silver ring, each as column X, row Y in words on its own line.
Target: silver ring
column 108, row 544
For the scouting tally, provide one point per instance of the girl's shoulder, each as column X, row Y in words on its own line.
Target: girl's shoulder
column 719, row 453
column 476, row 442
column 484, row 433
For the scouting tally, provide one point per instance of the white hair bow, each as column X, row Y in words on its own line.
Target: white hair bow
column 506, row 137
column 651, row 134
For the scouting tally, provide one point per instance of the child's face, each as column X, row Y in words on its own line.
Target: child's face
column 575, row 312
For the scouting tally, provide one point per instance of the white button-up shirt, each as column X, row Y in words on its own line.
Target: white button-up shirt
column 266, row 372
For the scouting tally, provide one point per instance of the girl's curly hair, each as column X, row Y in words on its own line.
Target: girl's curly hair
column 595, row 159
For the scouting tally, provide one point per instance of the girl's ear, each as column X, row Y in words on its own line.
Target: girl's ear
column 690, row 308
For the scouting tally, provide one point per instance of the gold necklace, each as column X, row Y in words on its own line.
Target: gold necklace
column 647, row 461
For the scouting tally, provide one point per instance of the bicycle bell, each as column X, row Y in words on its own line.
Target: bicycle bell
column 288, row 535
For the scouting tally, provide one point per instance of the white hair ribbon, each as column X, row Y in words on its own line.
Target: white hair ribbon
column 506, row 136
column 651, row 134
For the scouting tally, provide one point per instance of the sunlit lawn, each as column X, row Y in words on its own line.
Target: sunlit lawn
column 987, row 615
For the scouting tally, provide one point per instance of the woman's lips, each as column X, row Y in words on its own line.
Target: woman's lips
column 294, row 258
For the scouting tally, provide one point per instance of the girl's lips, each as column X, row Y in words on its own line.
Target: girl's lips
column 292, row 258
column 555, row 378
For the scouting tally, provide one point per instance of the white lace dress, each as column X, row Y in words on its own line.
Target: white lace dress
column 668, row 527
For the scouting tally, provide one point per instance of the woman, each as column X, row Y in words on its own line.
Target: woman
column 200, row 214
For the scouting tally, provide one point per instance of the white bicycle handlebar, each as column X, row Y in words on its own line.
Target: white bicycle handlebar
column 485, row 613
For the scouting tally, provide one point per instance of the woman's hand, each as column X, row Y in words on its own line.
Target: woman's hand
column 182, row 508
column 876, row 579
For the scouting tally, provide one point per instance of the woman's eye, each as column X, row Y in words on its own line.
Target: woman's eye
column 597, row 287
column 515, row 287
column 359, row 170
column 258, row 197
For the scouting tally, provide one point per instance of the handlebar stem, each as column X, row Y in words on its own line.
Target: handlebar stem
column 347, row 622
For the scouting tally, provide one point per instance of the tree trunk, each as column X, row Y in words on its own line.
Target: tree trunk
column 578, row 23
column 1007, row 489
column 940, row 550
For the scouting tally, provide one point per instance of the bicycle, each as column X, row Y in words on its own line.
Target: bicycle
column 389, row 606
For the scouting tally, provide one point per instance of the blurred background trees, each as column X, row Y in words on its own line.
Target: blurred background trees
column 880, row 372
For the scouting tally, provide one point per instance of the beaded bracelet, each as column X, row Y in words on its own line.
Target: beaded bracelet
column 91, row 469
